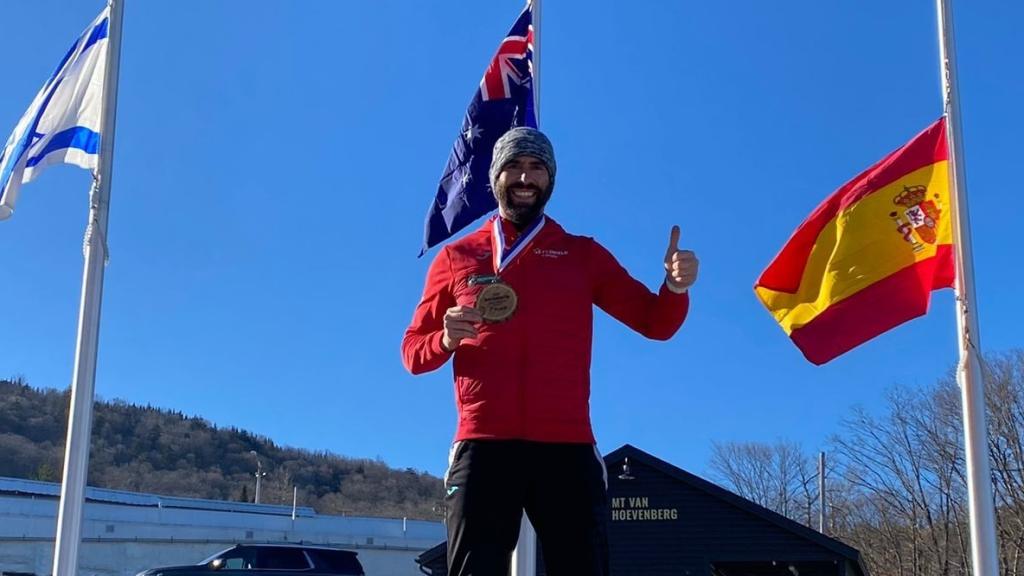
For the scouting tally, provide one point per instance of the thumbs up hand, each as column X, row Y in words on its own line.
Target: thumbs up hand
column 680, row 265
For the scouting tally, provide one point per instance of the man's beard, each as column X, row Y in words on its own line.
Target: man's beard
column 521, row 216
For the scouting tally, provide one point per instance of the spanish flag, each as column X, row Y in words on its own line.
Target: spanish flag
column 867, row 259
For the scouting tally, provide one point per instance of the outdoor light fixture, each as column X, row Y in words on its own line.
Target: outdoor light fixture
column 626, row 472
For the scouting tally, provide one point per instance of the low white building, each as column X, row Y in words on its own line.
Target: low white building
column 125, row 532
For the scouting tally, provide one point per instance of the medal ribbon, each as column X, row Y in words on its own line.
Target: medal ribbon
column 503, row 255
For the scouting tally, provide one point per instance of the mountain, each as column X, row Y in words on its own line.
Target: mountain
column 147, row 449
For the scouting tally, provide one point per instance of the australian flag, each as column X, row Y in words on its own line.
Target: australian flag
column 503, row 101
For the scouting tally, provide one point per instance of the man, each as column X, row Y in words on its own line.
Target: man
column 513, row 303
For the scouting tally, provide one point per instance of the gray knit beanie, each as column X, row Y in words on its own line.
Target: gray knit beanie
column 520, row 141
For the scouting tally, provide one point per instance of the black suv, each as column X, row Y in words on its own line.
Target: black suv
column 269, row 560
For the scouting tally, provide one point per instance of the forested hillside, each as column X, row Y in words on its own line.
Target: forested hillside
column 147, row 449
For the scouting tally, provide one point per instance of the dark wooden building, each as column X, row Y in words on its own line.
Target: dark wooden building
column 665, row 520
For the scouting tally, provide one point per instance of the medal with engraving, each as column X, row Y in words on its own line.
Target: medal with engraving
column 497, row 301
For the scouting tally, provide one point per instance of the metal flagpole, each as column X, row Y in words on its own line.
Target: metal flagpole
column 524, row 557
column 536, row 58
column 76, row 454
column 821, row 492
column 984, row 548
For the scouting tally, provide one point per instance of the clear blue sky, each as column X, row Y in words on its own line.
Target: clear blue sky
column 275, row 161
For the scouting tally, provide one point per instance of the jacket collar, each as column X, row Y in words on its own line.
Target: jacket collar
column 511, row 232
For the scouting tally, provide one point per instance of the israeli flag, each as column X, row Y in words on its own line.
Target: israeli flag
column 62, row 126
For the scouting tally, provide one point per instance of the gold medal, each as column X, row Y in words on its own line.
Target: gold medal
column 497, row 301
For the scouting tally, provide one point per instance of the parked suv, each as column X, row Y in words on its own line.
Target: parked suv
column 269, row 560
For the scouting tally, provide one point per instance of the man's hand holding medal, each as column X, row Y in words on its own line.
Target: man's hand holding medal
column 459, row 323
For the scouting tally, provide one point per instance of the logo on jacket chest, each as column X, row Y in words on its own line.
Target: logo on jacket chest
column 550, row 253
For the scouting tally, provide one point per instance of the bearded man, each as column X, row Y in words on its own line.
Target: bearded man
column 513, row 304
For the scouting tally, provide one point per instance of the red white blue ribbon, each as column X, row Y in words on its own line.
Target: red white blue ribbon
column 503, row 255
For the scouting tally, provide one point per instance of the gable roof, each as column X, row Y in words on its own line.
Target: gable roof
column 637, row 455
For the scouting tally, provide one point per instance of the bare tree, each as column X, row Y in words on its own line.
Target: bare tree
column 912, row 460
column 1004, row 380
column 778, row 476
column 897, row 486
column 907, row 463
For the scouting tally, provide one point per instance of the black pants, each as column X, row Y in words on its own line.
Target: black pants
column 562, row 487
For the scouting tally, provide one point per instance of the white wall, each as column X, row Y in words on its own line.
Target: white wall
column 121, row 540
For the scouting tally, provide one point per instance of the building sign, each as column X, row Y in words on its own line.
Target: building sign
column 638, row 508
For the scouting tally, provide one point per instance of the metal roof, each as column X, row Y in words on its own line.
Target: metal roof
column 36, row 488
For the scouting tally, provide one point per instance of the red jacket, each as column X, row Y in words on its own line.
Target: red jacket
column 529, row 377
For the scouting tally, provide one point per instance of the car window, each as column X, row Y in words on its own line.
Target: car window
column 281, row 559
column 239, row 559
column 337, row 561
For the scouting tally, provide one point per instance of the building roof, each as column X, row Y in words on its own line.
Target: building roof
column 637, row 455
column 18, row 486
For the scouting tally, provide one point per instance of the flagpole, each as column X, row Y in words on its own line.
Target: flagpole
column 76, row 454
column 524, row 557
column 984, row 547
column 536, row 58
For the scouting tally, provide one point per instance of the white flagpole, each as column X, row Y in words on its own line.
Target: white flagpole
column 524, row 557
column 76, row 454
column 984, row 548
column 536, row 57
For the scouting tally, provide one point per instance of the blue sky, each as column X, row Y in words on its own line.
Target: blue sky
column 275, row 161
